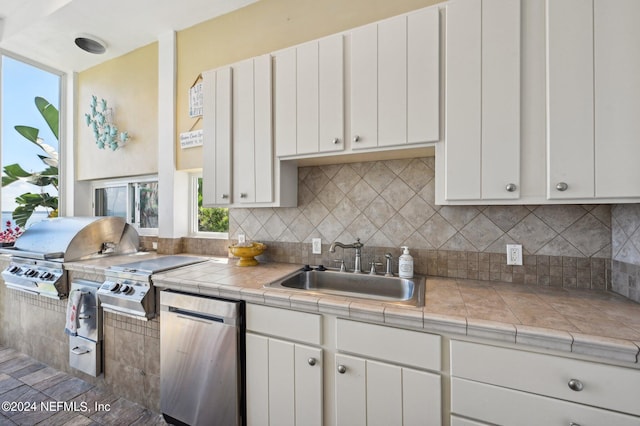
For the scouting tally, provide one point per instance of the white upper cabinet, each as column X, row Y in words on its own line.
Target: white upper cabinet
column 239, row 165
column 252, row 175
column 482, row 141
column 593, row 100
column 570, row 99
column 309, row 97
column 216, row 151
column 394, row 69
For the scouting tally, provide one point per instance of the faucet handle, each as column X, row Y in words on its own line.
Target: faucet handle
column 373, row 267
column 342, row 267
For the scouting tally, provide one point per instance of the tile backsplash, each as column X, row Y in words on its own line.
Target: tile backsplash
column 390, row 203
column 625, row 250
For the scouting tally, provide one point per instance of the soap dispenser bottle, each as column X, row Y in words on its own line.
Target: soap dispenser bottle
column 405, row 264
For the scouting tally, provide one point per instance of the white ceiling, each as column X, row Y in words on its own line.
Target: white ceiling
column 45, row 30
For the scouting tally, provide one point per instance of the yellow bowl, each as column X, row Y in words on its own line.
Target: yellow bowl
column 247, row 253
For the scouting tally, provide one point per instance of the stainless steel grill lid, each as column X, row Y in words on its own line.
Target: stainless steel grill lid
column 76, row 238
column 38, row 256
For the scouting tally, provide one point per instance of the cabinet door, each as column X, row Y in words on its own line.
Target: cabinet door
column 364, row 87
column 617, row 97
column 307, row 97
column 243, row 133
column 263, row 142
column 216, row 150
column 463, row 104
column 570, row 103
column 257, row 380
column 376, row 393
column 331, row 93
column 392, row 81
column 423, row 76
column 284, row 101
column 308, row 363
column 351, row 391
column 284, row 387
column 482, row 146
column 500, row 99
column 252, row 143
column 395, row 81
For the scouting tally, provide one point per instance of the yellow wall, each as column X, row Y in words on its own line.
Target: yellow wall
column 129, row 84
column 264, row 27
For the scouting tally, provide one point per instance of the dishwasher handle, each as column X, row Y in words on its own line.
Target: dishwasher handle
column 197, row 316
column 201, row 307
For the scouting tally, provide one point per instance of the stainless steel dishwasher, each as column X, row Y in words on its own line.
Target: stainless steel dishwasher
column 201, row 360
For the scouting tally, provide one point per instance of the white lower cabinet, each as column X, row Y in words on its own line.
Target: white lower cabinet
column 379, row 386
column 284, row 378
column 370, row 392
column 290, row 375
column 507, row 386
column 310, row 369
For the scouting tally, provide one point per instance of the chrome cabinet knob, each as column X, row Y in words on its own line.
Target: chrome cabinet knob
column 575, row 385
column 311, row 361
column 574, row 424
column 336, row 141
column 243, row 195
column 562, row 186
column 511, row 187
column 356, row 138
column 225, row 196
column 342, row 369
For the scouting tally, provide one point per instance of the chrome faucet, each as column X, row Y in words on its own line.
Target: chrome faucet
column 389, row 271
column 357, row 267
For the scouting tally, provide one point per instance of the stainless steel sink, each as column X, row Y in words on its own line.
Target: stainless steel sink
column 395, row 290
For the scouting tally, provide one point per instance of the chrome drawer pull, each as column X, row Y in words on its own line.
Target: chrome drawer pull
column 562, row 186
column 511, row 187
column 575, row 385
column 311, row 361
column 80, row 351
column 342, row 369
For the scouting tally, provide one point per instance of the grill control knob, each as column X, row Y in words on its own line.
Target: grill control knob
column 113, row 286
column 14, row 269
column 125, row 289
column 31, row 273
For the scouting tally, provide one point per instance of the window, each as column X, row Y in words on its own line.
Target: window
column 30, row 102
column 136, row 200
column 206, row 222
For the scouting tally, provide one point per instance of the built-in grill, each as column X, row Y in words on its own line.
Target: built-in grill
column 38, row 255
column 128, row 288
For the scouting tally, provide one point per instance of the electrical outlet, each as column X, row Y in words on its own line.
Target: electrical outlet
column 316, row 246
column 514, row 254
column 241, row 239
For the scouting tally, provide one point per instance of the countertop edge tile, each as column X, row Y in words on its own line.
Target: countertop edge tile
column 491, row 330
column 334, row 306
column 278, row 298
column 544, row 338
column 253, row 295
column 366, row 311
column 304, row 302
column 445, row 323
column 604, row 347
column 404, row 317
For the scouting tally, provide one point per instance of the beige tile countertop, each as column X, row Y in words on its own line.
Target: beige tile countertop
column 585, row 322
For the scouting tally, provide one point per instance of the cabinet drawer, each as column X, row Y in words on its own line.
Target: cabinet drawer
column 407, row 347
column 292, row 325
column 603, row 386
column 496, row 405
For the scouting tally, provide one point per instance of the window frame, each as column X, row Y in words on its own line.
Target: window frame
column 193, row 212
column 133, row 192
